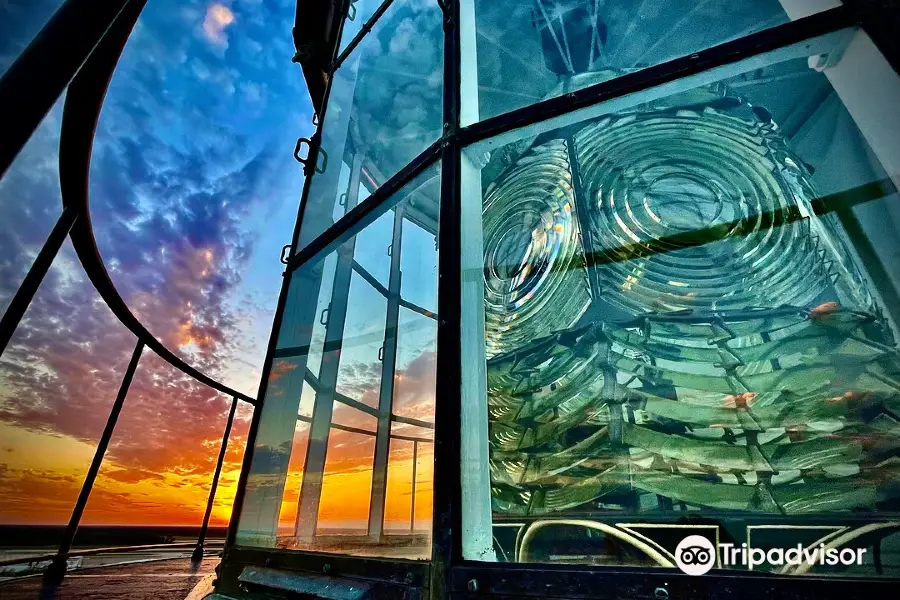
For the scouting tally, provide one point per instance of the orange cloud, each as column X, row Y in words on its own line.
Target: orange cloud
column 218, row 18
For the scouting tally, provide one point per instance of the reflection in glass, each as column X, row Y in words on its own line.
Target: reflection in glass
column 346, row 485
column 690, row 314
column 372, row 360
column 384, row 108
column 358, row 12
column 537, row 49
column 414, row 381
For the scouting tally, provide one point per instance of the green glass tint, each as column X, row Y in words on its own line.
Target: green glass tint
column 522, row 52
column 690, row 311
column 384, row 109
column 354, row 357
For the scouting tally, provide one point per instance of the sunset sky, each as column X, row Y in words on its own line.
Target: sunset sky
column 193, row 192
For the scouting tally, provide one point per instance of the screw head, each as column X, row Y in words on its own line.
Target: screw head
column 472, row 586
column 661, row 593
column 409, row 578
column 326, row 568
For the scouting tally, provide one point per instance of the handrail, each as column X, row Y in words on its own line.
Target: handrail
column 8, row 562
column 81, row 113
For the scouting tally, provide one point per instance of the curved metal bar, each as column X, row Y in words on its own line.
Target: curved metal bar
column 80, row 116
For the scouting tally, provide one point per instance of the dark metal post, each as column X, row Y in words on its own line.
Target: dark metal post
column 36, row 79
column 19, row 304
column 197, row 556
column 57, row 570
column 447, row 521
column 386, row 392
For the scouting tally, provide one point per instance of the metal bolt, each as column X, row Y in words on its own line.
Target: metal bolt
column 661, row 593
column 472, row 586
column 326, row 568
column 409, row 579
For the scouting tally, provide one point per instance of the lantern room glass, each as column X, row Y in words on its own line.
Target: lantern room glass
column 348, row 410
column 679, row 312
column 687, row 306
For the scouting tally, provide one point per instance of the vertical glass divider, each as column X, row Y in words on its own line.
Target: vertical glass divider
column 320, row 427
column 386, row 391
column 477, row 541
column 468, row 68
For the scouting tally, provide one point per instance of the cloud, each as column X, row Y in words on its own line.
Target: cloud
column 218, row 18
column 180, row 179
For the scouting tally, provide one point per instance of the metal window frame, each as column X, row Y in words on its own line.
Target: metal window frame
column 451, row 575
column 96, row 53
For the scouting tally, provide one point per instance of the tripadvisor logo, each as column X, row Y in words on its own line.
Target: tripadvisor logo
column 696, row 555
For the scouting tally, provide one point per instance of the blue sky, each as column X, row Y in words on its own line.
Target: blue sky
column 193, row 189
column 193, row 192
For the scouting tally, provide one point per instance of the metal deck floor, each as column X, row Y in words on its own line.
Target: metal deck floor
column 159, row 580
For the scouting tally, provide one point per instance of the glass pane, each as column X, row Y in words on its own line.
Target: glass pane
column 359, row 12
column 409, row 491
column 419, row 268
column 690, row 307
column 414, row 383
column 404, row 430
column 293, row 481
column 359, row 372
column 373, row 248
column 347, row 416
column 346, row 489
column 384, row 109
column 59, row 376
column 358, row 377
column 524, row 52
column 398, row 515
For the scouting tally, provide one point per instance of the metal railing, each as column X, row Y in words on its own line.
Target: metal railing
column 78, row 50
